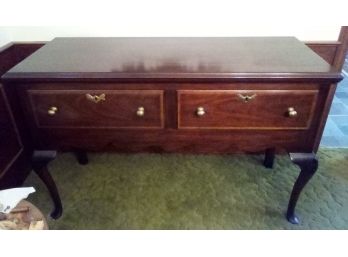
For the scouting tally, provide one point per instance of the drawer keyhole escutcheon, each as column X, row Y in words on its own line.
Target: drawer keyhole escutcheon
column 95, row 98
column 292, row 112
column 52, row 110
column 247, row 98
column 200, row 111
column 141, row 111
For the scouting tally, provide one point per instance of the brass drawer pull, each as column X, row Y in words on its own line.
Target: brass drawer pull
column 52, row 110
column 95, row 98
column 292, row 112
column 247, row 98
column 141, row 111
column 200, row 111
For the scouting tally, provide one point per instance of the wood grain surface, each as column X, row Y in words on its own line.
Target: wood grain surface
column 266, row 109
column 118, row 109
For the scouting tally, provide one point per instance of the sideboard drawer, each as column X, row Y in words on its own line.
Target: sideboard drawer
column 97, row 108
column 247, row 109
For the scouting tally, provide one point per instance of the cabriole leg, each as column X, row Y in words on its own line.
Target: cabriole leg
column 308, row 164
column 40, row 161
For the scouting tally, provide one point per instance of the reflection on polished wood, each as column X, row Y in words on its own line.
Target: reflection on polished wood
column 180, row 58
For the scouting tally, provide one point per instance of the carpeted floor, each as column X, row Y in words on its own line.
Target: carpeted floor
column 150, row 191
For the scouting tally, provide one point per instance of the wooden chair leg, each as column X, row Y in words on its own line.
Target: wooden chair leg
column 269, row 158
column 40, row 160
column 308, row 164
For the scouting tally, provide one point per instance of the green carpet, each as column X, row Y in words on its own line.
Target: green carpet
column 172, row 191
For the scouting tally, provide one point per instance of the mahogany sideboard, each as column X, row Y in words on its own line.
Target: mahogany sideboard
column 187, row 95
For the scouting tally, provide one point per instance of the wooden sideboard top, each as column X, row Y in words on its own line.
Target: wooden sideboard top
column 257, row 58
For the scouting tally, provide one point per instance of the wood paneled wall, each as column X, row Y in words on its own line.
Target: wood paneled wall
column 333, row 52
column 14, row 156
